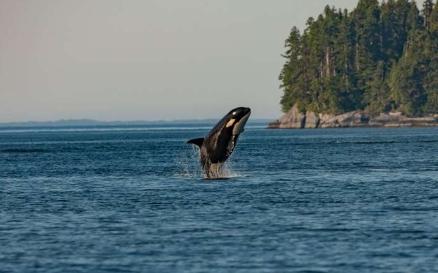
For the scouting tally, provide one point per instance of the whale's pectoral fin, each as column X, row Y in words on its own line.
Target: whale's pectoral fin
column 196, row 141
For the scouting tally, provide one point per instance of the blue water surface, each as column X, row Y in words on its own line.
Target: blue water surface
column 113, row 199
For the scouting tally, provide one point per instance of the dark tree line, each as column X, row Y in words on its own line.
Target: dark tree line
column 379, row 57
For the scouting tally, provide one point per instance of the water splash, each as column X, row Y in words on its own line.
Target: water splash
column 188, row 163
column 229, row 171
column 188, row 166
column 221, row 171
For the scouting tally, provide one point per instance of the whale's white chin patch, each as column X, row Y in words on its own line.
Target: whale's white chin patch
column 238, row 128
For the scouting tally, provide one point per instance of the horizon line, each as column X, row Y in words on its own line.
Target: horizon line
column 87, row 120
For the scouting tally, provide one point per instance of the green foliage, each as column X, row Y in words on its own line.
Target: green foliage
column 377, row 98
column 407, row 78
column 379, row 57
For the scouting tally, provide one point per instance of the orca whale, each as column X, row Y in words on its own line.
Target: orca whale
column 217, row 146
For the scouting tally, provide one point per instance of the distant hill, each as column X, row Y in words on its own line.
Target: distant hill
column 87, row 123
column 377, row 58
column 96, row 123
column 62, row 122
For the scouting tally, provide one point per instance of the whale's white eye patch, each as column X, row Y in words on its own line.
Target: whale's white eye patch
column 234, row 113
column 230, row 123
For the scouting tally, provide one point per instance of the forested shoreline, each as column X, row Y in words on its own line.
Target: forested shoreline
column 380, row 57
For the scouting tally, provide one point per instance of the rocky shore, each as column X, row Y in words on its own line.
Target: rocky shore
column 294, row 119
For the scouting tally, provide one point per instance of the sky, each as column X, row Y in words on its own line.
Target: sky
column 145, row 59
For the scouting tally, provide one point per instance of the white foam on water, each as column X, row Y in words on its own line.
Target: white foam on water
column 222, row 171
column 188, row 163
column 190, row 167
column 228, row 171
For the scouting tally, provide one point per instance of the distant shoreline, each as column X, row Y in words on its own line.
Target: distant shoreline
column 97, row 123
column 294, row 119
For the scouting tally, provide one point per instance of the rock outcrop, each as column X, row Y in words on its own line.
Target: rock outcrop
column 312, row 120
column 350, row 119
column 294, row 119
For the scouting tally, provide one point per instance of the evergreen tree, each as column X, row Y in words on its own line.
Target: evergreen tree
column 433, row 21
column 407, row 76
column 377, row 99
column 431, row 78
column 431, row 87
column 380, row 57
column 427, row 11
column 290, row 74
column 366, row 19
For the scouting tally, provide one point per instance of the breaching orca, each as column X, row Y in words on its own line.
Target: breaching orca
column 218, row 145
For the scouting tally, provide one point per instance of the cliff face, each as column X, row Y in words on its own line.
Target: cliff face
column 294, row 119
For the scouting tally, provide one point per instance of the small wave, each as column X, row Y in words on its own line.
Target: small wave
column 23, row 150
column 343, row 142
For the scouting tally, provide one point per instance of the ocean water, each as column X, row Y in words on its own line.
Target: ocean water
column 132, row 199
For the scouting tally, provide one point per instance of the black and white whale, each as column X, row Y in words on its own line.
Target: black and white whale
column 220, row 142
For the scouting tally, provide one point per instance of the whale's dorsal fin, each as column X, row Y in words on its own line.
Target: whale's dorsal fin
column 196, row 141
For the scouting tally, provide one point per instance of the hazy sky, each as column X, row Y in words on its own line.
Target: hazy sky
column 145, row 59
